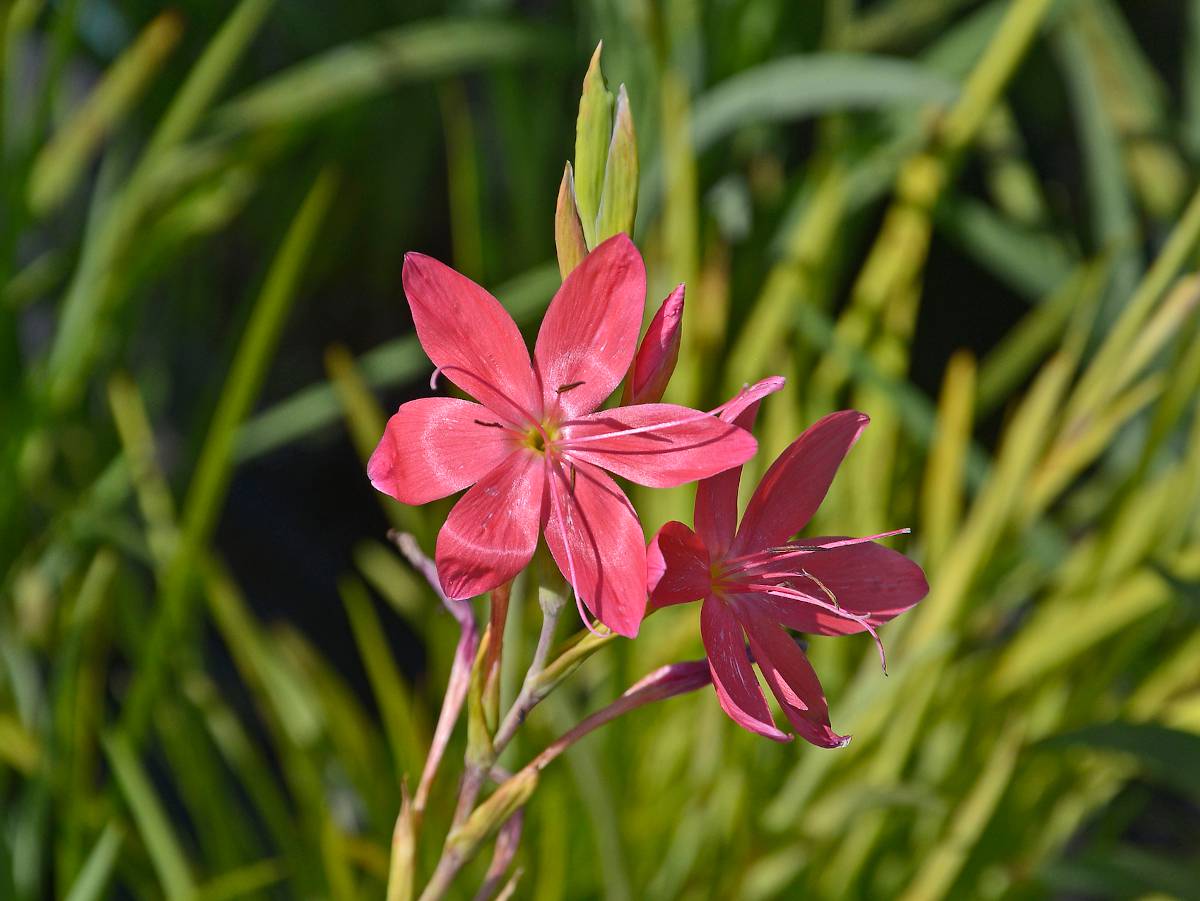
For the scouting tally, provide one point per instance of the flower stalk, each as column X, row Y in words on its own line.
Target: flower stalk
column 459, row 681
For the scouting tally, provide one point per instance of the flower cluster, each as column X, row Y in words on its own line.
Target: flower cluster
column 536, row 452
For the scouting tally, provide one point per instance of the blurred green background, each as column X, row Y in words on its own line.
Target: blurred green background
column 976, row 221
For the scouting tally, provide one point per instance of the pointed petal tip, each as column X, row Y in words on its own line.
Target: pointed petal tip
column 773, row 383
column 830, row 740
column 628, row 631
column 620, row 243
column 672, row 306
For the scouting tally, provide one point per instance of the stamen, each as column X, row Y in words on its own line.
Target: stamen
column 791, row 550
column 825, row 588
column 490, row 425
column 658, row 426
column 846, row 542
column 563, row 389
column 834, row 608
column 553, row 469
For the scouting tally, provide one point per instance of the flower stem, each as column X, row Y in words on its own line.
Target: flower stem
column 464, row 656
column 465, row 839
column 552, row 605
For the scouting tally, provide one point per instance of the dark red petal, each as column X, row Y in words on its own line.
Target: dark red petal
column 733, row 676
column 866, row 579
column 793, row 682
column 677, row 567
column 717, row 497
column 796, row 483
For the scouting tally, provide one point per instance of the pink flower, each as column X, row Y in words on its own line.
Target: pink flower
column 656, row 358
column 756, row 578
column 534, row 449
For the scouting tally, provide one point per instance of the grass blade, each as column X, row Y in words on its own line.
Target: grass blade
column 151, row 818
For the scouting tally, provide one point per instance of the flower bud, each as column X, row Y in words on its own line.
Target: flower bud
column 568, row 231
column 492, row 814
column 656, row 358
column 669, row 681
column 404, row 847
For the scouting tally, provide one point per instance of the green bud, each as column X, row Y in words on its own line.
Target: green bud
column 618, row 201
column 568, row 231
column 404, row 846
column 593, row 131
column 479, row 737
column 489, row 816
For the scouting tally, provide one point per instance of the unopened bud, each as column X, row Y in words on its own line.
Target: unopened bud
column 656, row 358
column 404, row 846
column 568, row 230
column 489, row 816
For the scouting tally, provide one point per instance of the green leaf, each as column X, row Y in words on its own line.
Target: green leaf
column 208, row 75
column 206, row 492
column 618, row 203
column 593, row 131
column 355, row 71
column 392, row 363
column 1165, row 754
column 569, row 242
column 92, row 882
column 392, row 695
column 63, row 161
column 1034, row 263
column 153, row 822
column 796, row 87
column 1123, row 872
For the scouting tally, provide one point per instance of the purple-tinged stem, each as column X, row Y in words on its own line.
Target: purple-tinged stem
column 665, row 682
column 552, row 605
column 460, row 670
column 464, row 841
column 507, row 841
column 477, row 770
column 510, row 887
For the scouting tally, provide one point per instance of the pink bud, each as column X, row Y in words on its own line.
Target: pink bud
column 669, row 681
column 656, row 358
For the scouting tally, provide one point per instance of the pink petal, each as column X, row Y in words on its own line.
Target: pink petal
column 660, row 445
column 717, row 497
column 793, row 488
column 733, row 676
column 436, row 446
column 597, row 542
column 793, row 681
column 749, row 395
column 658, row 353
column 471, row 338
column 590, row 331
column 867, row 579
column 677, row 567
column 492, row 531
